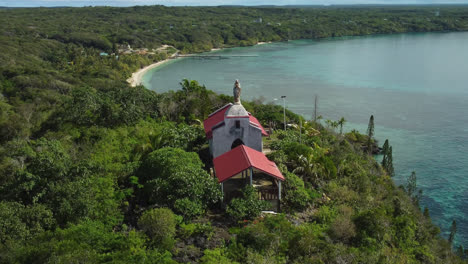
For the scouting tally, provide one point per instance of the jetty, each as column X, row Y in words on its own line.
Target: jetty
column 212, row 56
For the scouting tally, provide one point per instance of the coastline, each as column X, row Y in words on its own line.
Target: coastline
column 137, row 77
column 262, row 43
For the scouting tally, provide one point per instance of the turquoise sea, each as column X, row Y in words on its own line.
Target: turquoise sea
column 415, row 85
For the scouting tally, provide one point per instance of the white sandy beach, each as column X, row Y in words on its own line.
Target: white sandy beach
column 137, row 77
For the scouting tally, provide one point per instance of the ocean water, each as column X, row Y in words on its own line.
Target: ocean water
column 415, row 85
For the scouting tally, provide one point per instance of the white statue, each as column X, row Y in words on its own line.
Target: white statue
column 237, row 92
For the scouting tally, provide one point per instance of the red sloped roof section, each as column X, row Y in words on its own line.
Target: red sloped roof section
column 255, row 121
column 230, row 163
column 259, row 161
column 214, row 119
column 241, row 158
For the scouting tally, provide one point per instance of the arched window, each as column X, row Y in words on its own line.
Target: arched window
column 237, row 143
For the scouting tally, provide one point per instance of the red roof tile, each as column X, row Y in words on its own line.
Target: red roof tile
column 218, row 117
column 255, row 121
column 214, row 119
column 241, row 158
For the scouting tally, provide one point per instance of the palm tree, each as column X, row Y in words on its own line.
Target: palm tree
column 309, row 129
column 341, row 123
column 154, row 141
column 307, row 167
column 334, row 125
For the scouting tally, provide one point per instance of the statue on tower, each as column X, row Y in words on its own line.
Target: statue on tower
column 237, row 92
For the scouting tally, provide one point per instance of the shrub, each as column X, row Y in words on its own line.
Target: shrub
column 342, row 229
column 160, row 225
column 215, row 256
column 310, row 242
column 271, row 233
column 87, row 242
column 326, row 214
column 188, row 208
column 328, row 166
column 294, row 194
column 195, row 229
column 279, row 157
column 247, row 207
column 341, row 193
column 371, row 226
column 295, row 149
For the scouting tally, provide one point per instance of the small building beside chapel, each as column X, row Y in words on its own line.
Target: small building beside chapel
column 236, row 146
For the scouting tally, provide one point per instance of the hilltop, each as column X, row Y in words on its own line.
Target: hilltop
column 94, row 170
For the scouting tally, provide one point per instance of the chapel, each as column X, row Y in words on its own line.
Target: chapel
column 235, row 138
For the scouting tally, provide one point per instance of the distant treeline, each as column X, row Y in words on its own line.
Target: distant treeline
column 193, row 29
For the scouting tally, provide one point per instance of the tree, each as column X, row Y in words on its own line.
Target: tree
column 411, row 184
column 332, row 124
column 308, row 166
column 385, row 149
column 453, row 232
column 370, row 134
column 389, row 167
column 154, row 141
column 313, row 165
column 426, row 212
column 411, row 189
column 171, row 174
column 341, row 122
column 387, row 161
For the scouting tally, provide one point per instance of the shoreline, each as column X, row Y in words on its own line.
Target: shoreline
column 263, row 43
column 137, row 77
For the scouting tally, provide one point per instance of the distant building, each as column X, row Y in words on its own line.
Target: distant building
column 235, row 138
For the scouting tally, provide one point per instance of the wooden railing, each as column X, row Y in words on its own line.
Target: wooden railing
column 267, row 194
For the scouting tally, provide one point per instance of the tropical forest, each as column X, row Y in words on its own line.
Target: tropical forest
column 94, row 170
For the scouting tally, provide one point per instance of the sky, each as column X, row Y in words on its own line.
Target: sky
column 50, row 3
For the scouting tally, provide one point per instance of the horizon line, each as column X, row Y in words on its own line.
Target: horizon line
column 237, row 5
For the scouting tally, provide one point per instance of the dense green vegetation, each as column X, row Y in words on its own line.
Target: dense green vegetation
column 92, row 170
column 201, row 28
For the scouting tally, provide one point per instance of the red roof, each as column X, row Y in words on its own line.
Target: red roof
column 218, row 117
column 241, row 158
column 214, row 119
column 255, row 121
